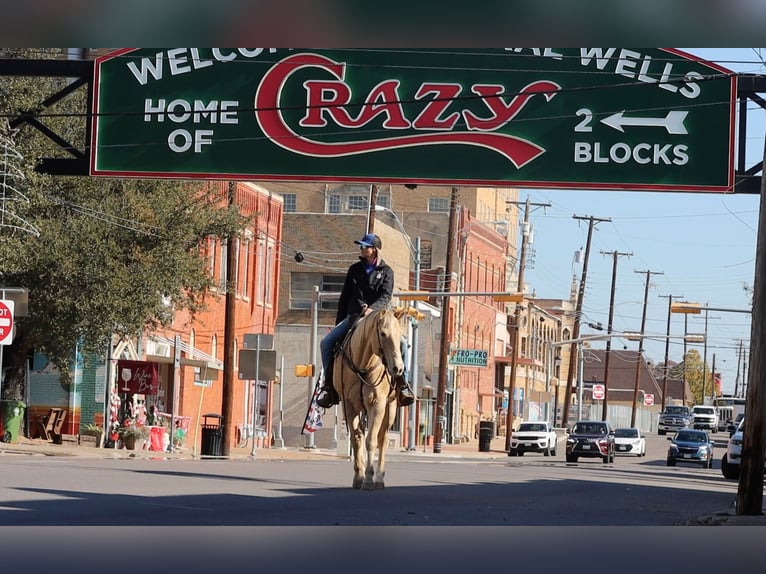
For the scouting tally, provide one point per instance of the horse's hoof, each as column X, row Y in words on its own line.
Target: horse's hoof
column 380, row 485
column 368, row 486
column 357, row 484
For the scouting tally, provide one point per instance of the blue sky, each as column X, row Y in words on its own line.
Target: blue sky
column 700, row 245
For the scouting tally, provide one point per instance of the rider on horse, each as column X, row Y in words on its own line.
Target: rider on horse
column 368, row 287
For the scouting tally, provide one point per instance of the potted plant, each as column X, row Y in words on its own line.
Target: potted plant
column 94, row 430
column 133, row 435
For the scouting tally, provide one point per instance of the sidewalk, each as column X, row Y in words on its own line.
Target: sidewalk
column 42, row 447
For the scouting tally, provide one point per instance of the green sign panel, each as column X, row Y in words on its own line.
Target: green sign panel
column 468, row 357
column 588, row 118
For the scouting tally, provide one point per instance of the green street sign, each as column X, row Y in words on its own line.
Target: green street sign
column 468, row 357
column 585, row 118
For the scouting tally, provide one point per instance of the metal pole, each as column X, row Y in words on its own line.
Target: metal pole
column 313, row 353
column 704, row 359
column 413, row 409
column 255, row 389
column 279, row 442
column 176, row 383
column 579, row 380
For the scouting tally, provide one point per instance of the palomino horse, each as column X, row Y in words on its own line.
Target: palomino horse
column 363, row 375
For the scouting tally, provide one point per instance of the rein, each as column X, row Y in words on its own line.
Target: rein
column 361, row 374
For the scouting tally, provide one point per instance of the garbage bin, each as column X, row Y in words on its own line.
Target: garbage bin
column 12, row 416
column 486, row 434
column 212, row 435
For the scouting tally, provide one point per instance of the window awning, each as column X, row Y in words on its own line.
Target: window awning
column 162, row 353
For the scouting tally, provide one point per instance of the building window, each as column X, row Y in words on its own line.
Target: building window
column 302, row 289
column 291, row 202
column 245, row 287
column 383, row 199
column 260, row 270
column 269, row 280
column 357, row 202
column 438, row 205
column 223, row 266
column 333, row 204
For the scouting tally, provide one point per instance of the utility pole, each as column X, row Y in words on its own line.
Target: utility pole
column 440, row 417
column 739, row 366
column 592, row 221
column 704, row 357
column 615, row 255
column 667, row 350
column 516, row 315
column 712, row 381
column 227, row 400
column 639, row 360
column 371, row 209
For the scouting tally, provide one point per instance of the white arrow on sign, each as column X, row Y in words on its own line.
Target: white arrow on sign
column 673, row 122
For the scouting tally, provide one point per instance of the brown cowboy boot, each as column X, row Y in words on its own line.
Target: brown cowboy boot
column 404, row 394
column 327, row 397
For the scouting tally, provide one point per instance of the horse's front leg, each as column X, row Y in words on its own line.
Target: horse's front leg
column 380, row 473
column 376, row 412
column 357, row 451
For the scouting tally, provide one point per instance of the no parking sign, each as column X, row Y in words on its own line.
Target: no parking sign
column 6, row 322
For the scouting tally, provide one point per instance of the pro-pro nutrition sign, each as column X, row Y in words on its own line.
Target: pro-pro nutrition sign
column 598, row 118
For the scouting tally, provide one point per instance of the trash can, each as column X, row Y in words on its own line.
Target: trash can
column 12, row 416
column 486, row 434
column 212, row 436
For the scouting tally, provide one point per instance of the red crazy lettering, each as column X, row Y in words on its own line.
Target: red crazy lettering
column 326, row 100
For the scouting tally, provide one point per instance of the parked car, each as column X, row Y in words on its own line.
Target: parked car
column 731, row 459
column 537, row 436
column 691, row 445
column 629, row 441
column 733, row 455
column 590, row 439
column 674, row 418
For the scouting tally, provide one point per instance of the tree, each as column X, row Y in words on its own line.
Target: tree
column 695, row 374
column 111, row 254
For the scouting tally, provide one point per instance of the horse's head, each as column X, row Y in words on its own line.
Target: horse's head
column 388, row 325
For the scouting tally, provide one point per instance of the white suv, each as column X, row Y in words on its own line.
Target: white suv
column 533, row 436
column 733, row 455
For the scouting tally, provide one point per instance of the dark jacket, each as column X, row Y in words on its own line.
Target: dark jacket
column 360, row 289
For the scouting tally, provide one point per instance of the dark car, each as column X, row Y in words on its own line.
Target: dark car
column 590, row 439
column 734, row 425
column 690, row 445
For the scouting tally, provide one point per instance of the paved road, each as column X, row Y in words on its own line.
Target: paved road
column 164, row 512
column 470, row 489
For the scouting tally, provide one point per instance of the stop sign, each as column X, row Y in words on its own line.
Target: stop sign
column 648, row 400
column 6, row 322
column 598, row 392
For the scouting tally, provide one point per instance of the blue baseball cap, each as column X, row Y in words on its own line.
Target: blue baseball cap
column 370, row 240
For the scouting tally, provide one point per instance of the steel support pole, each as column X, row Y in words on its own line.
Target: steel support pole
column 313, row 354
column 413, row 408
column 279, row 442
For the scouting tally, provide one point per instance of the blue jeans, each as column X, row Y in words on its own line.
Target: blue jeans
column 327, row 345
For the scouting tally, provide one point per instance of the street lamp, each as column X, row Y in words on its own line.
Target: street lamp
column 415, row 253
